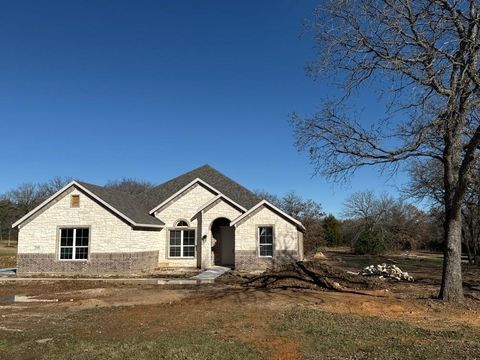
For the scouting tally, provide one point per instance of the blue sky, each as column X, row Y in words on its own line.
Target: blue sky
column 100, row 90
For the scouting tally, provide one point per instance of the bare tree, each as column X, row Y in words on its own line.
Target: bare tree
column 8, row 213
column 423, row 57
column 129, row 185
column 26, row 197
column 392, row 223
column 427, row 183
column 50, row 187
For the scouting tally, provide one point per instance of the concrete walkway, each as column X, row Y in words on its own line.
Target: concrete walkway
column 206, row 277
column 212, row 273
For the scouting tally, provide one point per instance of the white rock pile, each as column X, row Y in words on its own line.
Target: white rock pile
column 386, row 271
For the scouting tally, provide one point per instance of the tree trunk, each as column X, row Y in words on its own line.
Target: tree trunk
column 452, row 285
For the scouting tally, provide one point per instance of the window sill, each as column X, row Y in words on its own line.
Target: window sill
column 73, row 260
column 181, row 257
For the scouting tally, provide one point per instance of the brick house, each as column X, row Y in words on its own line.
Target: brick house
column 199, row 219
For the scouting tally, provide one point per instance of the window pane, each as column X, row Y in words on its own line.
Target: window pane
column 175, row 251
column 175, row 237
column 81, row 253
column 82, row 237
column 182, row 223
column 266, row 250
column 266, row 235
column 266, row 230
column 188, row 237
column 66, row 237
column 189, row 251
column 66, row 253
column 266, row 239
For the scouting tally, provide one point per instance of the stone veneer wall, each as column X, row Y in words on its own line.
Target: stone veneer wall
column 286, row 242
column 184, row 207
column 114, row 246
column 249, row 260
column 98, row 263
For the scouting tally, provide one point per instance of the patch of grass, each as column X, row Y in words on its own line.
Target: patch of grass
column 193, row 345
column 327, row 335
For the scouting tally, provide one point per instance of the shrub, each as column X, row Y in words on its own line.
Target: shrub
column 369, row 242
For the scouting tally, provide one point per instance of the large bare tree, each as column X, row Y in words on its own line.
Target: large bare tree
column 427, row 183
column 423, row 57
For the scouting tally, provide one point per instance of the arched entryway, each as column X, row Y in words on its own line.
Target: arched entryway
column 223, row 242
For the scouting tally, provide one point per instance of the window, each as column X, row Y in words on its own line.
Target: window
column 75, row 201
column 74, row 243
column 265, row 240
column 182, row 223
column 182, row 243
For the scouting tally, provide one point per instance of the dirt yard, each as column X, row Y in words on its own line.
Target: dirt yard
column 280, row 316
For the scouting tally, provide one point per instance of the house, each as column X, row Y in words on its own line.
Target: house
column 199, row 219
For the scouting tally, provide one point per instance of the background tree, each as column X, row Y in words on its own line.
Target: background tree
column 271, row 198
column 50, row 187
column 129, row 185
column 26, row 197
column 423, row 56
column 332, row 231
column 8, row 214
column 376, row 224
column 426, row 184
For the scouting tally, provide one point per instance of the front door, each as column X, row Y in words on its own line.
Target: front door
column 226, row 235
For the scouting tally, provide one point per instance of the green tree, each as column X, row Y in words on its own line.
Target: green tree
column 332, row 231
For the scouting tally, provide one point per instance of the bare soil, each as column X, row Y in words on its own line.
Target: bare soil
column 276, row 315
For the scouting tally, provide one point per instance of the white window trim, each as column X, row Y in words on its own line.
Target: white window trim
column 182, row 229
column 74, row 246
column 273, row 240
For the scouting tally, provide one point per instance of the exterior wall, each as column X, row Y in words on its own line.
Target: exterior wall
column 217, row 210
column 184, row 207
column 115, row 247
column 111, row 240
column 285, row 241
column 98, row 263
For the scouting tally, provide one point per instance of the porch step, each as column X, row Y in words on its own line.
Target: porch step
column 212, row 273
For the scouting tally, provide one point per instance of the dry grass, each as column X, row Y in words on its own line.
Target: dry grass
column 95, row 320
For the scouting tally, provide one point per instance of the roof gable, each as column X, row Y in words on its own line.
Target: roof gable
column 212, row 178
column 121, row 204
column 220, row 197
column 265, row 203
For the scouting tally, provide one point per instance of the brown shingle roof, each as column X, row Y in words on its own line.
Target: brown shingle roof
column 212, row 177
column 131, row 206
column 137, row 207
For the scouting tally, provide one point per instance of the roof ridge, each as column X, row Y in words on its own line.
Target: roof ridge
column 233, row 181
column 182, row 175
